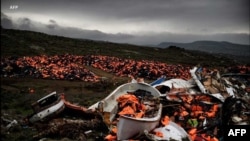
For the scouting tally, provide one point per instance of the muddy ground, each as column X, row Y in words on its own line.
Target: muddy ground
column 17, row 97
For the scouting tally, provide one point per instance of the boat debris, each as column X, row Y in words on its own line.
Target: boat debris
column 46, row 107
column 173, row 109
column 7, row 124
column 135, row 103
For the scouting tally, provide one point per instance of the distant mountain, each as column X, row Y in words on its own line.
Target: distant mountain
column 212, row 47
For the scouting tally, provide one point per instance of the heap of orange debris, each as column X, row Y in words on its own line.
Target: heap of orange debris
column 198, row 114
column 136, row 107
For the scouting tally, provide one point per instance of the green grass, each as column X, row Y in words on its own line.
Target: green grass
column 26, row 43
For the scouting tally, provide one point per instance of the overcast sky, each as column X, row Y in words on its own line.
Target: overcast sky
column 132, row 21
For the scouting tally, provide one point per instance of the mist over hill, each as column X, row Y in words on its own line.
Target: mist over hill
column 28, row 43
column 212, row 47
column 238, row 52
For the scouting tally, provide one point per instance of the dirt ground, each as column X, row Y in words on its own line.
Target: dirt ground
column 17, row 95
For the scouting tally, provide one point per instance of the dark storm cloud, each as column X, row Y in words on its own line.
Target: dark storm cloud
column 213, row 10
column 5, row 21
column 54, row 29
column 52, row 24
column 52, row 21
column 146, row 39
column 25, row 24
column 152, row 20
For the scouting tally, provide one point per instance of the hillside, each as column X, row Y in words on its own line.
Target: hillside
column 236, row 51
column 15, row 91
column 27, row 43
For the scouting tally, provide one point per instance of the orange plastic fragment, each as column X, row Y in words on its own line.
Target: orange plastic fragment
column 114, row 130
column 210, row 114
column 196, row 113
column 184, row 113
column 159, row 134
column 127, row 111
column 189, row 99
column 127, row 97
column 206, row 137
column 134, row 106
column 214, row 139
column 192, row 137
column 202, row 117
column 139, row 115
column 110, row 137
column 165, row 120
column 215, row 108
column 142, row 107
column 196, row 108
column 192, row 131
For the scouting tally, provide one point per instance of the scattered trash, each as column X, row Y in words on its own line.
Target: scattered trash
column 174, row 109
column 8, row 123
